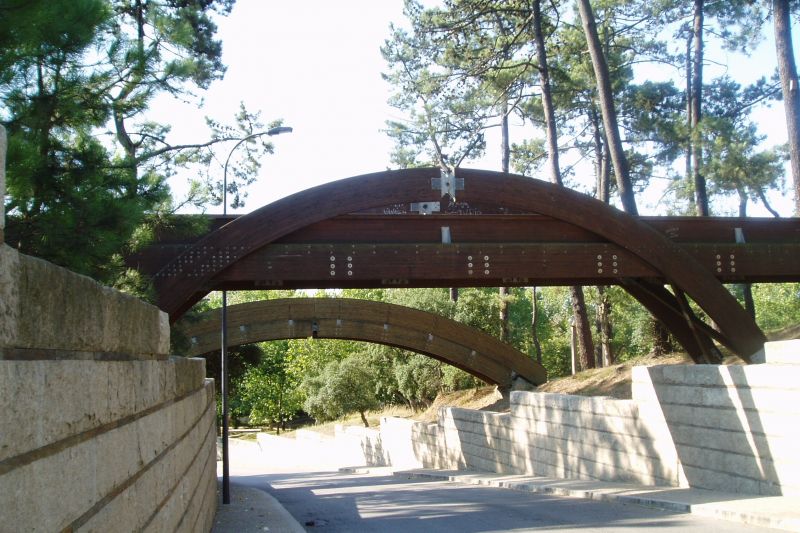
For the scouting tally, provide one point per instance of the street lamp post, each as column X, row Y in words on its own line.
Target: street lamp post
column 226, row 478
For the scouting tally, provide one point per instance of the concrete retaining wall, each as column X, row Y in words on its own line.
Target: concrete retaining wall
column 590, row 438
column 727, row 428
column 735, row 428
column 100, row 430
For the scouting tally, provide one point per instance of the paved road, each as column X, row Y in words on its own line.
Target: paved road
column 324, row 499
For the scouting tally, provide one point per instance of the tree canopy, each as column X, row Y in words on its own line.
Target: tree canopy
column 87, row 169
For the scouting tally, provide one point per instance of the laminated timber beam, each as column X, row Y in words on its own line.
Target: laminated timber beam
column 343, row 265
column 770, row 254
column 344, row 318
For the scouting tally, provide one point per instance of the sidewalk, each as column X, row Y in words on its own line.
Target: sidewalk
column 252, row 510
column 779, row 512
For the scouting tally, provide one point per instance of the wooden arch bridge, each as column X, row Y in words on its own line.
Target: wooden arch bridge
column 422, row 228
column 449, row 341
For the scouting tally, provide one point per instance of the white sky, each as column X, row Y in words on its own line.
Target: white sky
column 317, row 65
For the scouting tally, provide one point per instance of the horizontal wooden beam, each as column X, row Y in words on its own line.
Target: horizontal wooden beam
column 484, row 264
column 526, row 248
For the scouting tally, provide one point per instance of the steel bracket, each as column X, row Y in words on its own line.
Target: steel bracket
column 448, row 184
column 425, row 208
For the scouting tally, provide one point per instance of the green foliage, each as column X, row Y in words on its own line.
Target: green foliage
column 269, row 392
column 71, row 69
column 343, row 387
column 480, row 309
column 69, row 202
column 311, row 356
column 240, row 359
column 419, row 378
column 777, row 305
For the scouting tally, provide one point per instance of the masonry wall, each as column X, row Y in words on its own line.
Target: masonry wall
column 100, row 430
column 726, row 428
column 735, row 428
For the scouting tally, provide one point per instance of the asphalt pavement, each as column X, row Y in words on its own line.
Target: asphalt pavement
column 301, row 486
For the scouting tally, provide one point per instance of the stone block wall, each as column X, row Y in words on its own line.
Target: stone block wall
column 404, row 446
column 726, row 428
column 591, row 438
column 100, row 430
column 48, row 312
column 735, row 428
column 362, row 445
column 477, row 440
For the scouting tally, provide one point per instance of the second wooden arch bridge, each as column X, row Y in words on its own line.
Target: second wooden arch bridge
column 449, row 341
column 419, row 227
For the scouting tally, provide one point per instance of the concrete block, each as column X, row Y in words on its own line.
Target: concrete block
column 23, row 387
column 123, row 509
column 147, row 384
column 50, row 308
column 120, row 391
column 743, row 473
column 52, row 492
column 781, row 353
column 769, row 376
column 117, row 458
column 9, row 294
column 716, row 480
column 189, row 373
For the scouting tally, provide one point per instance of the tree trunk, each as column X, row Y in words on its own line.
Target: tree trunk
column 280, row 409
column 602, row 159
column 791, row 94
column 602, row 171
column 537, row 346
column 604, row 329
column 583, row 330
column 506, row 158
column 364, row 418
column 454, row 294
column 505, row 147
column 662, row 344
column 551, row 133
column 606, row 96
column 504, row 314
column 700, row 193
column 747, row 288
column 689, row 102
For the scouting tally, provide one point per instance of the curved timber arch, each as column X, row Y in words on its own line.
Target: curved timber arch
column 362, row 320
column 190, row 276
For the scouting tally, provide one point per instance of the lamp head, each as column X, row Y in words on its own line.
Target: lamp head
column 278, row 130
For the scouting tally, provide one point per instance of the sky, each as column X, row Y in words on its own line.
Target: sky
column 319, row 69
column 317, row 66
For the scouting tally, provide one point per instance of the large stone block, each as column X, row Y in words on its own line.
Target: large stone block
column 61, row 399
column 781, row 352
column 48, row 308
